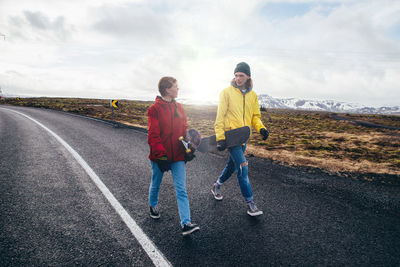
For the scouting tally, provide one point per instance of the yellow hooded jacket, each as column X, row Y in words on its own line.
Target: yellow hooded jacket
column 235, row 110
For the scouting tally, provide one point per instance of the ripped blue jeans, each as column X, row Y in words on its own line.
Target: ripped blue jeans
column 237, row 162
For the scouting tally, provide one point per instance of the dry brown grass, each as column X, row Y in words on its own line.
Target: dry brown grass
column 329, row 164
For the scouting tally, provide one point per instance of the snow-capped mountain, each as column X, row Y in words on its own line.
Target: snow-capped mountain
column 267, row 101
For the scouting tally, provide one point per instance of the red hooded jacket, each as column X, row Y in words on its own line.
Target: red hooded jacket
column 167, row 122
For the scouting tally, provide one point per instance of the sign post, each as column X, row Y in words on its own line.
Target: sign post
column 113, row 104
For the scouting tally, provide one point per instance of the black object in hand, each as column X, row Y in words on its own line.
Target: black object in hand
column 164, row 164
column 265, row 133
column 189, row 156
column 221, row 145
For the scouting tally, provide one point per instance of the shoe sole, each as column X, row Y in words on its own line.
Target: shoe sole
column 215, row 195
column 191, row 231
column 155, row 217
column 255, row 213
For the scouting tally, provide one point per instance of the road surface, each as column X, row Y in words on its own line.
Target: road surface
column 54, row 213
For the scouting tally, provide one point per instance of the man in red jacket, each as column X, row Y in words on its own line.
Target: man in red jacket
column 167, row 122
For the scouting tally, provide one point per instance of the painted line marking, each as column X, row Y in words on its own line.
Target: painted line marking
column 152, row 251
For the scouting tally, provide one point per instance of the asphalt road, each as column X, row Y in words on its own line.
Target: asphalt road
column 52, row 213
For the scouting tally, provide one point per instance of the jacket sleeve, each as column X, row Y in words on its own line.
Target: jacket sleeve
column 256, row 119
column 219, row 125
column 153, row 137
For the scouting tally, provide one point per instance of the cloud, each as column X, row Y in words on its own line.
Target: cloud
column 38, row 20
column 133, row 21
column 35, row 25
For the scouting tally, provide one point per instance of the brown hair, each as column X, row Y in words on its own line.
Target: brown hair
column 248, row 84
column 164, row 83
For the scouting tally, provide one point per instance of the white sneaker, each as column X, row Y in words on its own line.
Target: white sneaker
column 252, row 209
column 216, row 192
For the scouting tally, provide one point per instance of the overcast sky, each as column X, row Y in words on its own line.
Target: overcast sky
column 344, row 50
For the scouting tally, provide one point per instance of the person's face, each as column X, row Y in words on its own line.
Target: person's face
column 173, row 91
column 241, row 78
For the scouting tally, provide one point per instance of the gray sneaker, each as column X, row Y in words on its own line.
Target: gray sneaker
column 215, row 189
column 154, row 213
column 252, row 209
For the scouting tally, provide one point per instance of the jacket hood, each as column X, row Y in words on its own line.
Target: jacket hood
column 160, row 100
column 233, row 83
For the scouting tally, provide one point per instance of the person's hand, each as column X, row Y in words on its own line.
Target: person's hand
column 221, row 145
column 164, row 164
column 189, row 156
column 265, row 133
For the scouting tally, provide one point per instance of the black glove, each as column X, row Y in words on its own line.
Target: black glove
column 221, row 145
column 189, row 156
column 264, row 132
column 164, row 164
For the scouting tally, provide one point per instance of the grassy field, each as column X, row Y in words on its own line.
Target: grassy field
column 300, row 138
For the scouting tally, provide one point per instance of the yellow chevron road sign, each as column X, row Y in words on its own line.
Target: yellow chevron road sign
column 114, row 103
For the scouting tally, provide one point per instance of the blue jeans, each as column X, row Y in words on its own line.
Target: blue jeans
column 178, row 170
column 237, row 162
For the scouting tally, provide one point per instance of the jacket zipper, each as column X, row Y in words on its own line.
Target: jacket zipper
column 244, row 109
column 172, row 131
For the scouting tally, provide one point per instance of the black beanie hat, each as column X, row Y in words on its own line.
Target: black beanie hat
column 243, row 67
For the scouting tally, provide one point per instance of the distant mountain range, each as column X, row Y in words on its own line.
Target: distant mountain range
column 267, row 101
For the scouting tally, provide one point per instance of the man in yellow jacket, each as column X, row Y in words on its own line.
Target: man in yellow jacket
column 238, row 106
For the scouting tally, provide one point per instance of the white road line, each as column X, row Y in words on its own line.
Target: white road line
column 155, row 255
